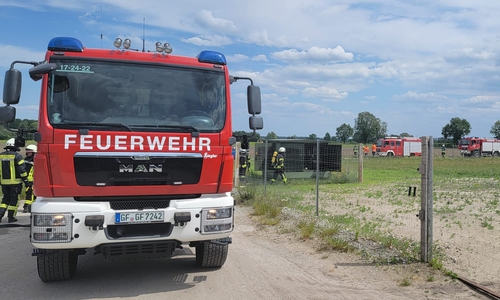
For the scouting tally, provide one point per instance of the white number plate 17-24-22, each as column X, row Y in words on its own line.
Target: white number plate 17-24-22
column 139, row 217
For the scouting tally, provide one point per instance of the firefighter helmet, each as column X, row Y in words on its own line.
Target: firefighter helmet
column 31, row 148
column 282, row 150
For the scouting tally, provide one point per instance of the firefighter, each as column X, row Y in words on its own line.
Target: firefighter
column 13, row 171
column 374, row 149
column 355, row 150
column 366, row 150
column 443, row 151
column 279, row 166
column 244, row 163
column 30, row 197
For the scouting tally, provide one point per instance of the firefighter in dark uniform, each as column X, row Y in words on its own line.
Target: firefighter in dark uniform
column 244, row 163
column 13, row 172
column 30, row 197
column 279, row 166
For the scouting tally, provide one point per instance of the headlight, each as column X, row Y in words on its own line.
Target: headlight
column 50, row 220
column 51, row 228
column 216, row 220
column 219, row 213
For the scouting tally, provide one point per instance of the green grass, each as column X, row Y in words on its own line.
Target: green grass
column 344, row 218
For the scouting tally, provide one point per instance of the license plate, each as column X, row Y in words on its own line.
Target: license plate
column 139, row 217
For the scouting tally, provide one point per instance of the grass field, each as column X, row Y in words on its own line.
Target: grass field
column 465, row 201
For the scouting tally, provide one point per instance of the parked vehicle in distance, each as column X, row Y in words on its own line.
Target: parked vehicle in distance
column 477, row 147
column 401, row 146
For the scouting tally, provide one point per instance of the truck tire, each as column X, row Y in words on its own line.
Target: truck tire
column 496, row 154
column 57, row 265
column 209, row 255
column 390, row 154
column 476, row 154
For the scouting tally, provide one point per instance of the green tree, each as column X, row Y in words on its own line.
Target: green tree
column 368, row 128
column 405, row 134
column 456, row 129
column 327, row 137
column 312, row 136
column 495, row 129
column 344, row 132
column 271, row 135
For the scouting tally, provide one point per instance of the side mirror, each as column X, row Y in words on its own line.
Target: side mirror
column 20, row 142
column 256, row 123
column 7, row 114
column 253, row 100
column 12, row 86
column 37, row 71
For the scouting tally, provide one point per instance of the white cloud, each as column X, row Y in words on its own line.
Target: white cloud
column 208, row 40
column 326, row 93
column 420, row 97
column 260, row 57
column 206, row 19
column 314, row 54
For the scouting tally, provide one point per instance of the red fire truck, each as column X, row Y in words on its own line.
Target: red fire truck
column 477, row 147
column 134, row 153
column 401, row 146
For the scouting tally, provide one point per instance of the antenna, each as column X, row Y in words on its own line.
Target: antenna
column 143, row 32
column 101, row 26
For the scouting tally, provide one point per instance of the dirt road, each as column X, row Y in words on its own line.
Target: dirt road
column 261, row 264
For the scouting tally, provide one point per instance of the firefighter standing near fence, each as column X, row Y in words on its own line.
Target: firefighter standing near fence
column 244, row 163
column 30, row 196
column 13, row 172
column 279, row 166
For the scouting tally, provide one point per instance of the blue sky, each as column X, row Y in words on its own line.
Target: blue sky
column 319, row 63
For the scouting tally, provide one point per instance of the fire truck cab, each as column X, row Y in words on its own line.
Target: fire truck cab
column 134, row 153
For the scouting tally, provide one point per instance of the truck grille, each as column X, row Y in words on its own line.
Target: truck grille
column 138, row 230
column 143, row 250
column 121, row 205
column 123, row 169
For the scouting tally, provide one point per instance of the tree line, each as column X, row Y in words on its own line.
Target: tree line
column 368, row 129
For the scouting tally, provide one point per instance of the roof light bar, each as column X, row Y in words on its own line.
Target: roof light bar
column 212, row 57
column 163, row 47
column 65, row 44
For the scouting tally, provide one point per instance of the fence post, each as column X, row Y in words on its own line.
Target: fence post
column 317, row 176
column 265, row 167
column 425, row 214
column 237, row 164
column 360, row 163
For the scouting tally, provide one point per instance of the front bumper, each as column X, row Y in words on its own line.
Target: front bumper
column 63, row 223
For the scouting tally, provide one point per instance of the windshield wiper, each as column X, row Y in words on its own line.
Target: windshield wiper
column 188, row 128
column 117, row 125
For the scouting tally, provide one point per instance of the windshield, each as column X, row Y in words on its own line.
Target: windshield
column 464, row 142
column 128, row 96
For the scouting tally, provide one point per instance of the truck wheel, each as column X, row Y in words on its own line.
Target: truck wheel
column 495, row 154
column 210, row 255
column 476, row 154
column 390, row 154
column 57, row 265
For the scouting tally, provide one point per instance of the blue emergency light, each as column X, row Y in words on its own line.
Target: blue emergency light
column 65, row 44
column 212, row 57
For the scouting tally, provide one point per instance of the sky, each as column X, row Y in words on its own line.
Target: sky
column 415, row 65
